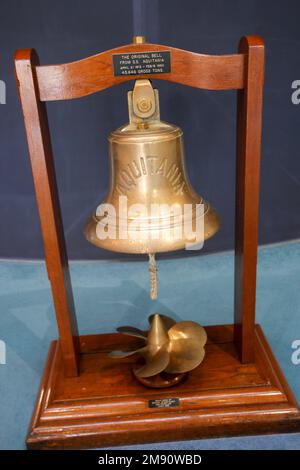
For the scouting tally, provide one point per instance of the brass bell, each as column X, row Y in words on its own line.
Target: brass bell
column 150, row 196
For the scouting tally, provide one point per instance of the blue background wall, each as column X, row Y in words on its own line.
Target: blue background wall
column 63, row 31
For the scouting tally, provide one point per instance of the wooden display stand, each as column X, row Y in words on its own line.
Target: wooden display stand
column 87, row 399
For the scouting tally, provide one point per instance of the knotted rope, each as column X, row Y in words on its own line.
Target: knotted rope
column 153, row 276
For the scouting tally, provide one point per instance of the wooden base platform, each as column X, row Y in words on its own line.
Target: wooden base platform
column 106, row 406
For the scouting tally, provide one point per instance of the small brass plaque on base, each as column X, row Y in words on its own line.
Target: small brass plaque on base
column 163, row 403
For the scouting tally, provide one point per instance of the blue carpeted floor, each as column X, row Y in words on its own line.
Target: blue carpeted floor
column 108, row 294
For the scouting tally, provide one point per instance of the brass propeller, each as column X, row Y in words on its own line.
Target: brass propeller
column 132, row 331
column 169, row 346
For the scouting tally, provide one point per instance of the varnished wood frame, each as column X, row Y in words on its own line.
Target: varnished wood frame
column 62, row 421
column 243, row 71
column 221, row 397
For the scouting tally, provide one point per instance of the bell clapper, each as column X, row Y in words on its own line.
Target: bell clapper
column 153, row 276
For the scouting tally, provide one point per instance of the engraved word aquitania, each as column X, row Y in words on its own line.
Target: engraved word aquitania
column 150, row 166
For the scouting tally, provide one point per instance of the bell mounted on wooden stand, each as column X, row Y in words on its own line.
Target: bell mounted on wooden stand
column 110, row 389
column 150, row 196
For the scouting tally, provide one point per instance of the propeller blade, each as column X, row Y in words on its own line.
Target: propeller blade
column 132, row 331
column 188, row 330
column 156, row 364
column 122, row 354
column 185, row 355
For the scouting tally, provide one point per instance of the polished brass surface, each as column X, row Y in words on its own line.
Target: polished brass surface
column 186, row 346
column 138, row 39
column 148, row 167
column 132, row 331
column 143, row 100
column 170, row 347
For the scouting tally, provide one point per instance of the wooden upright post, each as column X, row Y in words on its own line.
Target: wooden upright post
column 40, row 151
column 247, row 194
